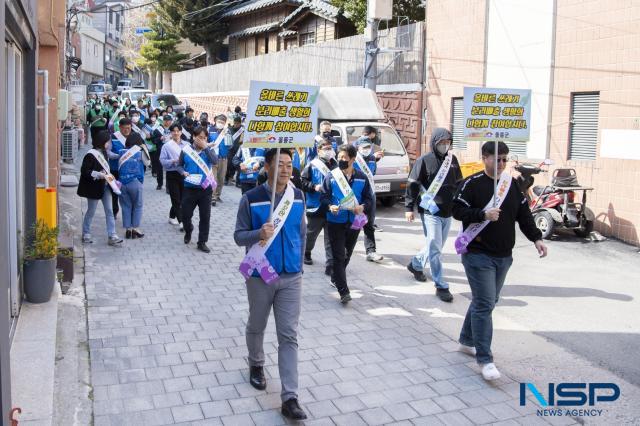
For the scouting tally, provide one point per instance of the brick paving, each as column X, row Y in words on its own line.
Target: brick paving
column 166, row 332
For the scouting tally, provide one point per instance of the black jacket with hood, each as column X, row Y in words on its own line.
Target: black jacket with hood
column 425, row 170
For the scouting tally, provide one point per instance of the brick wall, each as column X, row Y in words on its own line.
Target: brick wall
column 598, row 49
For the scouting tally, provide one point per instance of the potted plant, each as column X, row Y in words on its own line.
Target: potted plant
column 40, row 262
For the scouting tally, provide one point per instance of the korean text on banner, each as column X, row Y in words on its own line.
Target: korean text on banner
column 281, row 115
column 497, row 114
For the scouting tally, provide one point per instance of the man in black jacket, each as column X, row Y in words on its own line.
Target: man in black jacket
column 432, row 185
column 486, row 244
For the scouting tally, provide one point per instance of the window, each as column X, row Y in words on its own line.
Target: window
column 117, row 22
column 110, row 16
column 457, row 124
column 583, row 126
column 95, row 50
column 307, row 38
column 518, row 149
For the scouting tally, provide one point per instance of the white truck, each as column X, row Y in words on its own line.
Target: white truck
column 350, row 109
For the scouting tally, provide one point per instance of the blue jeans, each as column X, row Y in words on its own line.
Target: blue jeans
column 436, row 230
column 107, row 204
column 131, row 202
column 486, row 275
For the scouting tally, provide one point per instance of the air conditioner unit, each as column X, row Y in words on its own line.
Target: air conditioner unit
column 69, row 145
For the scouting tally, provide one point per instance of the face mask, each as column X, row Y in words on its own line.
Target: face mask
column 135, row 118
column 326, row 134
column 326, row 154
column 98, row 107
column 343, row 164
column 153, row 119
column 365, row 152
column 442, row 149
column 219, row 126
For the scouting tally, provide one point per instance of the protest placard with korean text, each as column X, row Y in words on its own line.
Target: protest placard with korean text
column 281, row 115
column 497, row 114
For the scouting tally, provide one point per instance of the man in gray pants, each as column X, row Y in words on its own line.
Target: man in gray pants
column 253, row 226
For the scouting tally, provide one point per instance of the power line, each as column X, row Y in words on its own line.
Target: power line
column 120, row 10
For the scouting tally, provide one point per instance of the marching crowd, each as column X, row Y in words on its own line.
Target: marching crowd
column 288, row 198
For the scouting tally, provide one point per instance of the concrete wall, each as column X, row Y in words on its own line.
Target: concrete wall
column 333, row 63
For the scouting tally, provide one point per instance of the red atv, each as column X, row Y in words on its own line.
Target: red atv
column 555, row 205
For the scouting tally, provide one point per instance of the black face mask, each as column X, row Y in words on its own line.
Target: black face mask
column 326, row 134
column 343, row 164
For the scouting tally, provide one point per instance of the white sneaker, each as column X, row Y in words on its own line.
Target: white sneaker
column 374, row 257
column 469, row 350
column 490, row 372
column 87, row 239
column 173, row 221
column 181, row 227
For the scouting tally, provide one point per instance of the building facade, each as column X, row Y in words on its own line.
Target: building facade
column 90, row 50
column 108, row 18
column 258, row 27
column 582, row 62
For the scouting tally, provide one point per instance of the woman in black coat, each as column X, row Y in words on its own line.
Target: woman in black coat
column 93, row 186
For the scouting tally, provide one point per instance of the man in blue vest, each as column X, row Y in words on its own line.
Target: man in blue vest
column 348, row 194
column 248, row 161
column 284, row 252
column 365, row 145
column 313, row 177
column 219, row 141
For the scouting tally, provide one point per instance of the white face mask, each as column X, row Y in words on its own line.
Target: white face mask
column 135, row 118
column 365, row 152
column 442, row 148
column 153, row 119
column 326, row 154
column 219, row 126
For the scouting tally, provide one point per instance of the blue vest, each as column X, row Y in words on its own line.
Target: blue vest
column 251, row 176
column 285, row 253
column 131, row 169
column 223, row 149
column 297, row 161
column 192, row 168
column 317, row 178
column 116, row 146
column 357, row 186
column 371, row 162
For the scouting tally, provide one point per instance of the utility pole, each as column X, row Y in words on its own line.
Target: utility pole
column 377, row 10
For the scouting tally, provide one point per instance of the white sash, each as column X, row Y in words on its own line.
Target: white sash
column 319, row 164
column 467, row 235
column 127, row 155
column 114, row 116
column 186, row 133
column 218, row 141
column 237, row 134
column 139, row 131
column 348, row 201
column 366, row 170
column 255, row 257
column 111, row 180
column 120, row 137
column 248, row 159
column 197, row 159
column 427, row 195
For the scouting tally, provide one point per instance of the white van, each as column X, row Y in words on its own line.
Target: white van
column 135, row 94
column 350, row 109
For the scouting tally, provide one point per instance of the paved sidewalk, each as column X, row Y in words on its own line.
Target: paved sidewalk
column 166, row 333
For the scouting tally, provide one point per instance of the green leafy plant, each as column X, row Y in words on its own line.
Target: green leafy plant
column 43, row 243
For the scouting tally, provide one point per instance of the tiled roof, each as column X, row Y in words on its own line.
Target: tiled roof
column 287, row 33
column 319, row 6
column 255, row 30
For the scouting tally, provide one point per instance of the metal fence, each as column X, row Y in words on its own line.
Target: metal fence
column 333, row 63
